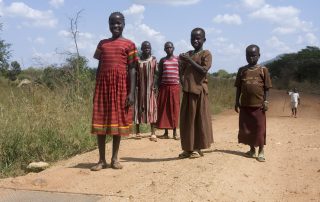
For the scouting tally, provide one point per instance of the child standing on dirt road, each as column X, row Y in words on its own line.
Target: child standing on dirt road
column 295, row 101
column 195, row 117
column 252, row 83
column 114, row 90
column 145, row 99
column 169, row 92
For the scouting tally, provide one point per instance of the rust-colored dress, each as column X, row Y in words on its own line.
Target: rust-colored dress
column 195, row 118
column 110, row 116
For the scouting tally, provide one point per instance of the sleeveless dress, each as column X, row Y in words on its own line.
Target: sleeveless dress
column 110, row 116
column 145, row 98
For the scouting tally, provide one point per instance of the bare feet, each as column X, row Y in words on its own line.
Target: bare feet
column 116, row 165
column 100, row 165
column 153, row 138
column 164, row 136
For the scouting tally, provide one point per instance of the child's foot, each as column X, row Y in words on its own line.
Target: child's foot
column 138, row 136
column 164, row 136
column 99, row 166
column 153, row 138
column 251, row 154
column 195, row 154
column 116, row 165
column 176, row 137
column 185, row 154
column 261, row 157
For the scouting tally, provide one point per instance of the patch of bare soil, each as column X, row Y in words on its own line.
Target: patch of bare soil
column 152, row 171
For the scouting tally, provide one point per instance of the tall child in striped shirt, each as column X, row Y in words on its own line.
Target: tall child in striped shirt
column 114, row 90
column 169, row 92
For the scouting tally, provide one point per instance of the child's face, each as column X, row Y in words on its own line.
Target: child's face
column 252, row 56
column 197, row 39
column 116, row 25
column 168, row 48
column 146, row 48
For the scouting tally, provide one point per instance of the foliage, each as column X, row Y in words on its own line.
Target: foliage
column 4, row 57
column 14, row 70
column 300, row 67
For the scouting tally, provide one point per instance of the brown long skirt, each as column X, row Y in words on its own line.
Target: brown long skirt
column 195, row 122
column 252, row 126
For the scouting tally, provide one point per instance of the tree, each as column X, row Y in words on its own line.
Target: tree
column 14, row 70
column 5, row 55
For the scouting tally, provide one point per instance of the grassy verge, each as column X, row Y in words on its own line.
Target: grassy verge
column 39, row 124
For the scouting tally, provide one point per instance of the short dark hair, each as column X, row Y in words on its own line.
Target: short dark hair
column 168, row 42
column 253, row 46
column 117, row 13
column 199, row 29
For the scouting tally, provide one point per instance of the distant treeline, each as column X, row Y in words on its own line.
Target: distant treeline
column 294, row 69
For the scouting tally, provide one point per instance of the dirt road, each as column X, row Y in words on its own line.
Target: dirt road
column 152, row 171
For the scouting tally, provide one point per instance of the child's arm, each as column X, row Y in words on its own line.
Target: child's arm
column 160, row 71
column 132, row 74
column 199, row 68
column 237, row 102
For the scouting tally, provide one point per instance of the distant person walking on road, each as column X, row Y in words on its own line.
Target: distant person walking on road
column 169, row 92
column 252, row 83
column 295, row 101
column 195, row 118
column 114, row 90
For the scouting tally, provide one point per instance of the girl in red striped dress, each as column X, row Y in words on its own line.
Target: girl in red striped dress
column 169, row 92
column 114, row 90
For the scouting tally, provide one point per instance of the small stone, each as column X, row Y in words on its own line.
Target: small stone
column 37, row 166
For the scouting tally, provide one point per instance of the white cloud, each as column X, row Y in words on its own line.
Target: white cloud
column 277, row 45
column 169, row 2
column 138, row 31
column 56, row 3
column 286, row 18
column 309, row 39
column 253, row 3
column 228, row 19
column 134, row 9
column 39, row 40
column 32, row 16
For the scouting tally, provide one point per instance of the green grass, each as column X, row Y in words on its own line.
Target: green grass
column 39, row 124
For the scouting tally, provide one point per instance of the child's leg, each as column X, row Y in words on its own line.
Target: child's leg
column 138, row 135
column 153, row 135
column 102, row 150
column 251, row 153
column 137, row 128
column 175, row 136
column 165, row 135
column 261, row 157
column 115, row 149
column 152, row 129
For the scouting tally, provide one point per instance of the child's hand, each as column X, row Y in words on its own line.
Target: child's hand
column 265, row 106
column 236, row 107
column 184, row 56
column 130, row 100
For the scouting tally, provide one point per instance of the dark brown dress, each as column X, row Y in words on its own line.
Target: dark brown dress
column 195, row 118
column 252, row 119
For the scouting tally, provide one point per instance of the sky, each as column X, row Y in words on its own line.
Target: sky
column 39, row 30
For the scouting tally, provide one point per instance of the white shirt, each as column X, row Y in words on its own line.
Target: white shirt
column 294, row 96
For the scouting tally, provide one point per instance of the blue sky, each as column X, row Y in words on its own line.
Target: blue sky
column 39, row 29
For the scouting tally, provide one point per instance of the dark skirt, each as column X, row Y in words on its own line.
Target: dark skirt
column 168, row 106
column 195, row 122
column 252, row 126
